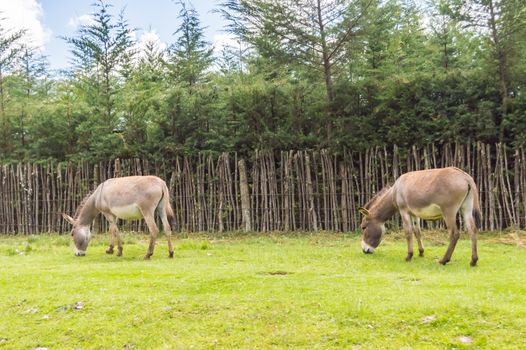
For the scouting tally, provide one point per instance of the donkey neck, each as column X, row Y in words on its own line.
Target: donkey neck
column 88, row 211
column 384, row 208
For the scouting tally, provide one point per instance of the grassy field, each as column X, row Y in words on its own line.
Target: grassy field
column 262, row 291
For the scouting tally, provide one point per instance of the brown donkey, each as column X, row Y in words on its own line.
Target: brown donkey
column 430, row 195
column 128, row 198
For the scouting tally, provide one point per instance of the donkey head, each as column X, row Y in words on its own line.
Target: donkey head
column 81, row 235
column 372, row 231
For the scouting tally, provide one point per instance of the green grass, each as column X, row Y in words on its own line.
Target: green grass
column 261, row 291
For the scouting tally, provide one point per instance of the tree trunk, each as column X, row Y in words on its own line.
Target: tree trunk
column 327, row 69
column 502, row 62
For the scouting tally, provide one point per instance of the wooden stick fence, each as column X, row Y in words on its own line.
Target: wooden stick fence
column 295, row 190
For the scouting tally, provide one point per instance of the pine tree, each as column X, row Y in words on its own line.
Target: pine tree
column 10, row 48
column 102, row 52
column 30, row 88
column 191, row 55
column 309, row 33
column 499, row 21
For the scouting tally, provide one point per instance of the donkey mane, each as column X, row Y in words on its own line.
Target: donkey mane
column 83, row 203
column 376, row 197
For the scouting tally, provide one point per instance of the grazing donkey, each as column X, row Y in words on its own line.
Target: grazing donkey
column 128, row 198
column 430, row 195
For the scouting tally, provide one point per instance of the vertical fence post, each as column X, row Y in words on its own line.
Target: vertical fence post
column 298, row 191
column 310, row 194
column 245, row 196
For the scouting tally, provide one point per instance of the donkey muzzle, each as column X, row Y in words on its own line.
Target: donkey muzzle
column 79, row 252
column 366, row 248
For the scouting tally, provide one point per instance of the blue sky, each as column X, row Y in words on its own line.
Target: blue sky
column 48, row 20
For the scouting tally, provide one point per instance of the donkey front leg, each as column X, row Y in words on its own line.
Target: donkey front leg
column 119, row 240
column 418, row 235
column 408, row 229
column 114, row 236
column 111, row 219
column 154, row 230
column 112, row 239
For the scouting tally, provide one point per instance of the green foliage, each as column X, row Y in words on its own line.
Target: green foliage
column 102, row 44
column 500, row 23
column 29, row 91
column 102, row 52
column 329, row 74
column 10, row 50
column 191, row 55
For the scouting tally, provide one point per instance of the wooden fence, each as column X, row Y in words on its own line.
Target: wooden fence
column 296, row 190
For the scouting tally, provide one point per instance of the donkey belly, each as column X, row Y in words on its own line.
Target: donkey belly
column 127, row 212
column 431, row 212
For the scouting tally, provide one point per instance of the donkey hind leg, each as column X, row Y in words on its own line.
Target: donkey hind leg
column 471, row 227
column 154, row 230
column 408, row 229
column 418, row 235
column 454, row 234
column 167, row 230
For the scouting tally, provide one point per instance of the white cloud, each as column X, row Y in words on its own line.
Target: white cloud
column 25, row 14
column 152, row 39
column 81, row 20
column 224, row 40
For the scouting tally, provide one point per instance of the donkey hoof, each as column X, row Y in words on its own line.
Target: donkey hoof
column 119, row 252
column 421, row 253
column 473, row 262
column 409, row 257
column 109, row 251
column 443, row 262
column 147, row 257
column 171, row 255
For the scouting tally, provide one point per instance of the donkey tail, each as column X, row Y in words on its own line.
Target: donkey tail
column 167, row 206
column 477, row 216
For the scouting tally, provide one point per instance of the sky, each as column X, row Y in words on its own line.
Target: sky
column 47, row 21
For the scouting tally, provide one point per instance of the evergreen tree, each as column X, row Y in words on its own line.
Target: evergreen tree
column 187, row 104
column 10, row 48
column 310, row 33
column 143, row 101
column 499, row 21
column 102, row 52
column 30, row 87
column 191, row 55
column 306, row 74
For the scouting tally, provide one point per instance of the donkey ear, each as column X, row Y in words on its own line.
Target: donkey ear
column 68, row 218
column 363, row 211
